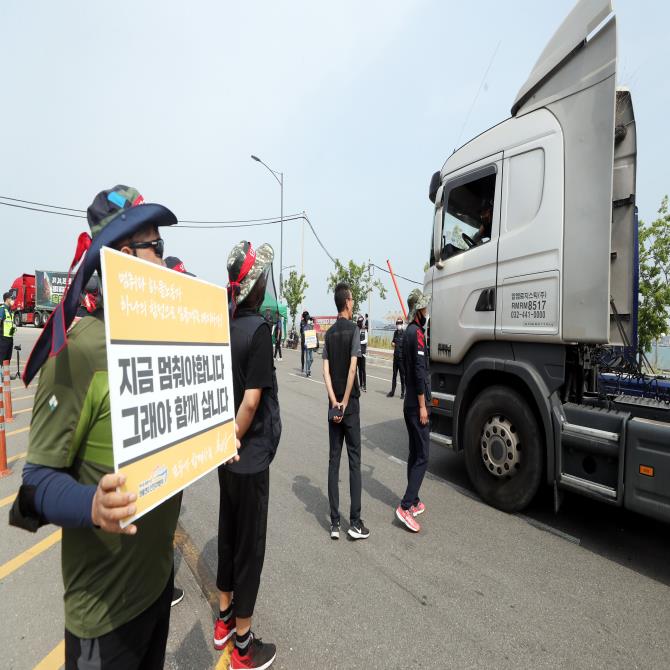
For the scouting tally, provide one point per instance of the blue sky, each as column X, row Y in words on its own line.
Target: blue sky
column 357, row 103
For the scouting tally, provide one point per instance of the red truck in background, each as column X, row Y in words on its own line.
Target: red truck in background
column 36, row 296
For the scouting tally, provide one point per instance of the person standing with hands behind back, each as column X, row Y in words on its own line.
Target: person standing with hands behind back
column 417, row 399
column 341, row 349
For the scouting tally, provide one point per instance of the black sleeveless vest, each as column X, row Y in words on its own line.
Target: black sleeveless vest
column 260, row 442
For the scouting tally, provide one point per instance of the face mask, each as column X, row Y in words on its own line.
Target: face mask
column 423, row 320
column 399, row 326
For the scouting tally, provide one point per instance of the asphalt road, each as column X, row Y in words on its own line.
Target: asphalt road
column 477, row 588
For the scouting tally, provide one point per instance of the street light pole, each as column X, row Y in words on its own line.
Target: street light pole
column 280, row 181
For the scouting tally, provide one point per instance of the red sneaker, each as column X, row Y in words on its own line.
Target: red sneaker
column 259, row 657
column 417, row 509
column 223, row 631
column 406, row 517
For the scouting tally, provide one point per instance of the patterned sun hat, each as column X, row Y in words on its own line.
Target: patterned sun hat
column 246, row 266
column 416, row 300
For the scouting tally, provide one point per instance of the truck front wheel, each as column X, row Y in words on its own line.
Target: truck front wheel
column 17, row 319
column 37, row 319
column 503, row 449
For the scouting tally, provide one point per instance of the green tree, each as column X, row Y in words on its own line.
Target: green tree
column 293, row 291
column 360, row 280
column 654, row 248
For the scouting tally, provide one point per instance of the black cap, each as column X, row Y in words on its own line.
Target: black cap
column 7, row 294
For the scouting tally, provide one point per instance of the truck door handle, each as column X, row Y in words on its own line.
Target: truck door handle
column 487, row 300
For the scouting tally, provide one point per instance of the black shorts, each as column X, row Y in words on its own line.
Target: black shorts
column 136, row 645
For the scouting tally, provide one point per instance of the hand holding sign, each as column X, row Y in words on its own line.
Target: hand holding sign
column 110, row 506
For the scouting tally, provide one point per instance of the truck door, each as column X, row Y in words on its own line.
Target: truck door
column 465, row 250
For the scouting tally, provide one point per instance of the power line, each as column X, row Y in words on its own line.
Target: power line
column 309, row 223
column 411, row 281
column 41, row 204
column 221, row 226
column 45, row 211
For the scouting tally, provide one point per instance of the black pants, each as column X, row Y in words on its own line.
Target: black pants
column 302, row 358
column 417, row 463
column 348, row 429
column 136, row 645
column 6, row 346
column 362, row 377
column 278, row 347
column 398, row 367
column 243, row 522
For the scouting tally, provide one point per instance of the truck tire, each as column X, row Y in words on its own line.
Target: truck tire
column 503, row 449
column 17, row 319
column 37, row 319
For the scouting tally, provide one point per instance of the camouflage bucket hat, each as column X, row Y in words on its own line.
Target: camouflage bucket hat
column 416, row 300
column 246, row 266
column 121, row 205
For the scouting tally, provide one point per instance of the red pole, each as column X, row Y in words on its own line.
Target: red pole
column 4, row 470
column 397, row 290
column 9, row 416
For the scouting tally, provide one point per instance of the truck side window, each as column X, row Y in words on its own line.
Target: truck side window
column 468, row 216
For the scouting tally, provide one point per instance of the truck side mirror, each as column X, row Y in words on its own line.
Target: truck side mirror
column 434, row 186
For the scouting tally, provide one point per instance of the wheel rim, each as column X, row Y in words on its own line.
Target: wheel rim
column 500, row 447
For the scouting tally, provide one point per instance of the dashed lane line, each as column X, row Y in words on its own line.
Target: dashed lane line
column 23, row 397
column 23, row 411
column 16, row 457
column 54, row 660
column 8, row 500
column 16, row 432
column 27, row 555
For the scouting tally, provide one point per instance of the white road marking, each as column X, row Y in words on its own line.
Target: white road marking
column 381, row 379
column 309, row 379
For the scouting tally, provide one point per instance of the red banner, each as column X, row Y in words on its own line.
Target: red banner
column 323, row 323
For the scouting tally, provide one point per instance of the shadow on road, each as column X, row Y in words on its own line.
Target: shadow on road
column 629, row 539
column 312, row 497
column 375, row 489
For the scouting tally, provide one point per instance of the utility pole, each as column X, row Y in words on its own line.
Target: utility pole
column 369, row 295
column 302, row 246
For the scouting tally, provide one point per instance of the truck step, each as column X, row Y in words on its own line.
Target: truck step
column 444, row 440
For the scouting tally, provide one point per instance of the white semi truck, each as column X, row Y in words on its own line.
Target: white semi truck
column 533, row 275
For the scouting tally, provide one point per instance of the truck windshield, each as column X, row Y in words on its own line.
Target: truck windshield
column 468, row 216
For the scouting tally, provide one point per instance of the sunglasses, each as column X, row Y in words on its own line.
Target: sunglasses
column 157, row 245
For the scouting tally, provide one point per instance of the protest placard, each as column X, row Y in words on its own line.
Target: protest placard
column 170, row 377
column 310, row 338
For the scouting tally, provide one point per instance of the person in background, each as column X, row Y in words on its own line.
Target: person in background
column 308, row 330
column 245, row 485
column 367, row 323
column 416, row 406
column 362, row 378
column 341, row 349
column 278, row 334
column 303, row 323
column 6, row 327
column 398, row 363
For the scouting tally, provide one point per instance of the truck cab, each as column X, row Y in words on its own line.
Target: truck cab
column 533, row 271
